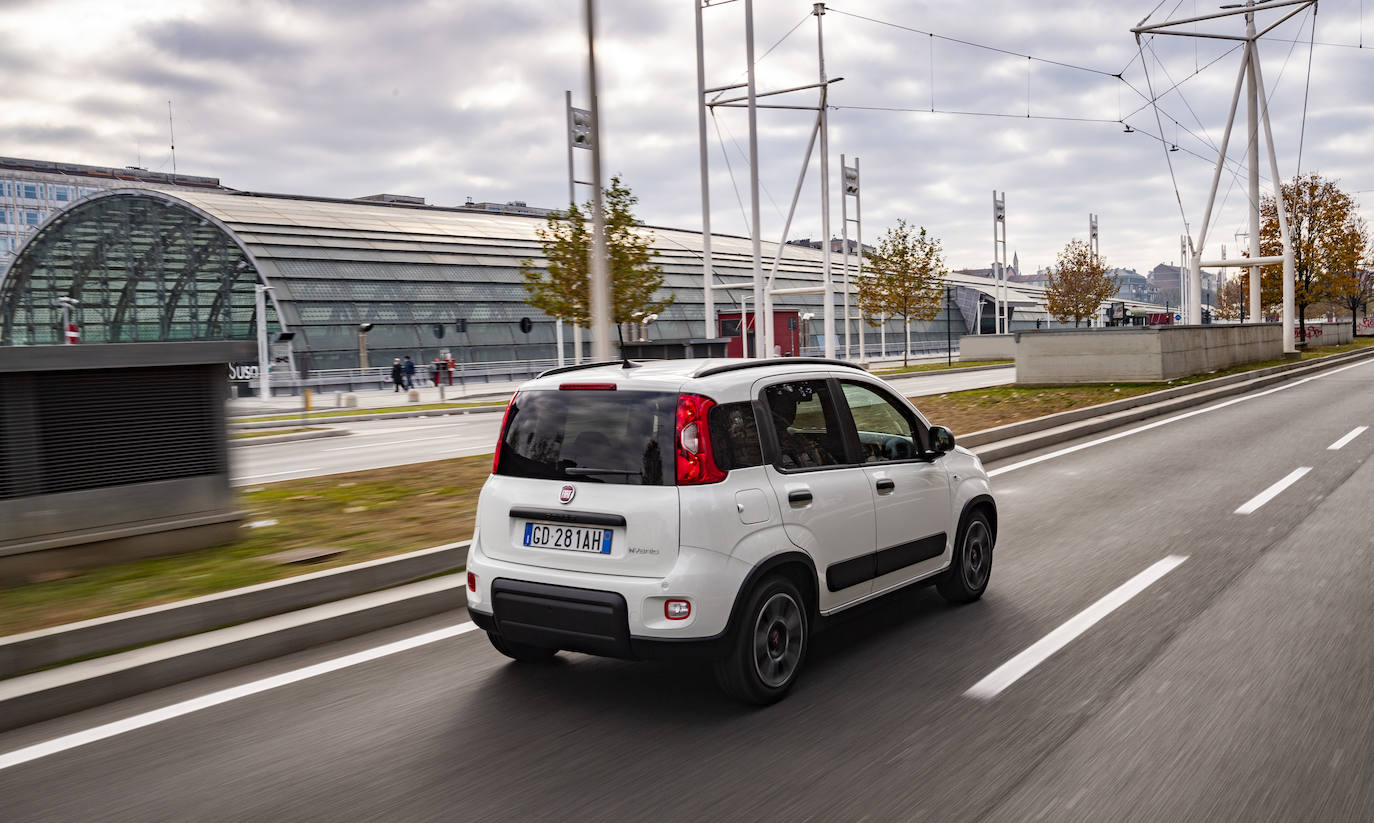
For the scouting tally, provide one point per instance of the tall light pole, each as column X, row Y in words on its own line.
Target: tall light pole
column 598, row 266
column 70, row 334
column 708, row 295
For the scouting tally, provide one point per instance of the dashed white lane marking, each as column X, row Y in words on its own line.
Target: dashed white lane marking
column 275, row 474
column 1031, row 461
column 1354, row 433
column 1017, row 667
column 71, row 741
column 1252, row 505
column 385, row 444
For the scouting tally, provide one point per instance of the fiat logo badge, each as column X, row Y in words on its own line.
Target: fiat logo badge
column 566, row 494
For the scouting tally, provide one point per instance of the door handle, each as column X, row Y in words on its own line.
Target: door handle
column 800, row 497
column 886, row 485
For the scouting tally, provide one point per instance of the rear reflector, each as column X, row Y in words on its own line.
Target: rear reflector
column 472, row 582
column 586, row 387
column 677, row 609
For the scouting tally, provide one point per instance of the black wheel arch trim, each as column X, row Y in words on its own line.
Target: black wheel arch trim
column 811, row 591
column 978, row 502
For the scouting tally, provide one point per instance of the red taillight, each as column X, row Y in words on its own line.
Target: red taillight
column 695, row 463
column 586, row 387
column 501, row 439
column 472, row 582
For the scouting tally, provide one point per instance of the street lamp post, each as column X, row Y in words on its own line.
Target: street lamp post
column 264, row 357
column 70, row 333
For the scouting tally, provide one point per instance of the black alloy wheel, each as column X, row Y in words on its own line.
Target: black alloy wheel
column 971, row 568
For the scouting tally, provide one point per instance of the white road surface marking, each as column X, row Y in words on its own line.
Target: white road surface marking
column 1017, row 667
column 1031, row 461
column 1253, row 504
column 71, row 741
column 386, row 443
column 274, row 474
column 1354, row 433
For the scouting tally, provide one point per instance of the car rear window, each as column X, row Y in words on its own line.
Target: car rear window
column 594, row 436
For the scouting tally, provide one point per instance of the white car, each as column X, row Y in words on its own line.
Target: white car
column 719, row 508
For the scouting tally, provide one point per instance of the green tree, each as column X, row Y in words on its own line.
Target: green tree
column 1329, row 241
column 1077, row 287
column 561, row 287
column 903, row 278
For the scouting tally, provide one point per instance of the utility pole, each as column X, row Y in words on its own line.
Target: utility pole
column 828, row 295
column 1252, row 163
column 579, row 137
column 754, row 222
column 707, row 293
column 599, row 265
column 264, row 355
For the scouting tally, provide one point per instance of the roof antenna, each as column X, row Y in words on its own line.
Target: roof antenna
column 627, row 364
column 172, row 139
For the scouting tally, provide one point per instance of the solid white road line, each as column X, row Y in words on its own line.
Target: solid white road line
column 71, row 741
column 1031, row 461
column 274, row 474
column 1017, row 667
column 1252, row 505
column 1354, row 433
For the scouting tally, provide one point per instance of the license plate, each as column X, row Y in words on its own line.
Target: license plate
column 568, row 538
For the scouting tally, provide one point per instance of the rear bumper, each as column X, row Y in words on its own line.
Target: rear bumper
column 557, row 599
column 579, row 620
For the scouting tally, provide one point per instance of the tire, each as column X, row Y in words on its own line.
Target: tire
column 769, row 644
column 971, row 567
column 522, row 652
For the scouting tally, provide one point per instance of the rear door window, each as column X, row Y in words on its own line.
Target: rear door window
column 734, row 436
column 807, row 428
column 594, row 436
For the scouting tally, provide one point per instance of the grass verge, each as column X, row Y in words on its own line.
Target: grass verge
column 946, row 366
column 370, row 514
column 273, row 432
column 977, row 409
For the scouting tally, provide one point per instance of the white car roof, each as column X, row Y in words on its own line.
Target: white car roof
column 697, row 373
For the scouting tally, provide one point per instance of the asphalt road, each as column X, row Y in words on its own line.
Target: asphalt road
column 1231, row 682
column 414, row 440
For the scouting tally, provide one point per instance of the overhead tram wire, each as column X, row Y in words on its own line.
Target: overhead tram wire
column 1307, row 86
column 729, row 168
column 997, row 49
column 914, row 110
column 761, row 58
column 1160, row 125
column 1207, row 138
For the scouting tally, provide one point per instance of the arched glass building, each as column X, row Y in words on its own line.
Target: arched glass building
column 183, row 265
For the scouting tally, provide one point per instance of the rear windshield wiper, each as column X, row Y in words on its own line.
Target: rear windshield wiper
column 579, row 471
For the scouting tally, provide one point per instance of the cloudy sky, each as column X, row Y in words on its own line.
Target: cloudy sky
column 450, row 99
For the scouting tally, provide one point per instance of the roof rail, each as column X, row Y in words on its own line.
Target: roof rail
column 786, row 361
column 581, row 366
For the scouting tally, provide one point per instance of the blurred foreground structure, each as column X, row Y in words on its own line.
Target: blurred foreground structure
column 143, row 473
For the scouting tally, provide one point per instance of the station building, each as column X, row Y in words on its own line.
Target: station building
column 167, row 265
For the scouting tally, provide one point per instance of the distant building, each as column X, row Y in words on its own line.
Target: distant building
column 30, row 190
column 1163, row 281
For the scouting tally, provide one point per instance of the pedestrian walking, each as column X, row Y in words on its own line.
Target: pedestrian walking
column 398, row 374
column 409, row 367
column 434, row 371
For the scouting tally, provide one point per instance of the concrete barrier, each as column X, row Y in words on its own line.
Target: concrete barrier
column 101, row 635
column 1323, row 333
column 987, row 347
column 1141, row 355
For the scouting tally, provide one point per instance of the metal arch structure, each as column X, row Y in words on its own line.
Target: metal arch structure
column 145, row 266
column 1250, row 78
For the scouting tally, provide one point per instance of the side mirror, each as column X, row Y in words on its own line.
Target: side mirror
column 941, row 439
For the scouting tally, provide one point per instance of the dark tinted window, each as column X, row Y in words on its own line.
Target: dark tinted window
column 591, row 435
column 804, row 420
column 734, row 436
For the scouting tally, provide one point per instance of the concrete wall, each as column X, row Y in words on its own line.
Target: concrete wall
column 1141, row 355
column 1330, row 334
column 987, row 347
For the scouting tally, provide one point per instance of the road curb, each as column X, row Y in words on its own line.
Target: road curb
column 47, row 647
column 45, row 695
column 267, row 440
column 363, row 418
column 1016, row 439
column 1010, row 364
